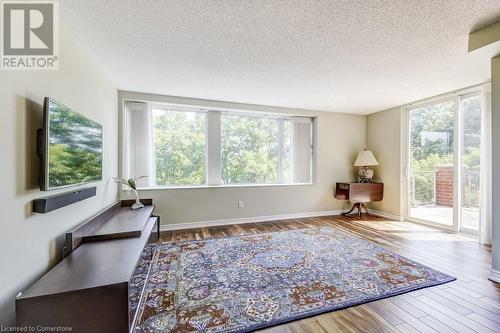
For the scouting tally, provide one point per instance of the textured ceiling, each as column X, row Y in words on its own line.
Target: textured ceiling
column 353, row 56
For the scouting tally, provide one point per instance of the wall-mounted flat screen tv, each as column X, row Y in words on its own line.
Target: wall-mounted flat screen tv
column 71, row 147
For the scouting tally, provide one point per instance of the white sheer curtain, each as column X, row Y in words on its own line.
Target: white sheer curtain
column 301, row 149
column 139, row 142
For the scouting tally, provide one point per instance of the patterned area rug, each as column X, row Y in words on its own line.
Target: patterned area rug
column 139, row 279
column 242, row 283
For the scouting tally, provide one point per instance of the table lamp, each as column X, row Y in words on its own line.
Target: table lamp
column 364, row 160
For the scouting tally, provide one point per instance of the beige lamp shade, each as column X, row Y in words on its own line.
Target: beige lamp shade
column 365, row 158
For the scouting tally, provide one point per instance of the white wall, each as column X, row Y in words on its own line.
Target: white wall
column 340, row 137
column 383, row 137
column 31, row 243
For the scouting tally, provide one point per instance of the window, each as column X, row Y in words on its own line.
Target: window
column 177, row 146
column 249, row 149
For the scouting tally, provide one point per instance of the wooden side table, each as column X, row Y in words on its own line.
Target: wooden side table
column 359, row 194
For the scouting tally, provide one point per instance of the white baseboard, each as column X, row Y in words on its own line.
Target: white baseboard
column 387, row 215
column 494, row 276
column 242, row 220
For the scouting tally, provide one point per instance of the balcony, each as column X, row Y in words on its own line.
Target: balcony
column 431, row 196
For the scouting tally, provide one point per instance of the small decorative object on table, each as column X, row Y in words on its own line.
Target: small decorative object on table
column 132, row 184
column 364, row 160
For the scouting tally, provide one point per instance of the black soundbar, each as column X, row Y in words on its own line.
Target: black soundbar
column 53, row 202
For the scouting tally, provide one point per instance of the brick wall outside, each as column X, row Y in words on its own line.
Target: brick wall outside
column 444, row 185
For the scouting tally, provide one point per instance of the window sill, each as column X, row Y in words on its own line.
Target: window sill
column 219, row 186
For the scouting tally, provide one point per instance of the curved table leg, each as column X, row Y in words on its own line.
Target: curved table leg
column 363, row 205
column 360, row 206
column 357, row 206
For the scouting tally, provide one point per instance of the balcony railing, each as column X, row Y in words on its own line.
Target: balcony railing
column 424, row 189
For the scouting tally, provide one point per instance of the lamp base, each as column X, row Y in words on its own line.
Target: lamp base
column 365, row 175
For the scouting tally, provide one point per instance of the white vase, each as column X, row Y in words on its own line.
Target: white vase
column 137, row 204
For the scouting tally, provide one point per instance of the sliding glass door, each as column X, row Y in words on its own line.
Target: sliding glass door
column 432, row 161
column 444, row 162
column 471, row 162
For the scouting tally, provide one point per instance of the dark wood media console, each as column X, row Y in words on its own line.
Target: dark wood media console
column 89, row 289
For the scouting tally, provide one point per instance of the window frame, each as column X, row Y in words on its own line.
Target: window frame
column 213, row 151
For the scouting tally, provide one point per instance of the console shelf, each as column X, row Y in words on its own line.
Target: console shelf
column 89, row 289
column 124, row 224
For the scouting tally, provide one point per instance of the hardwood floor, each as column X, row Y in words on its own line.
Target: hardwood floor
column 469, row 304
